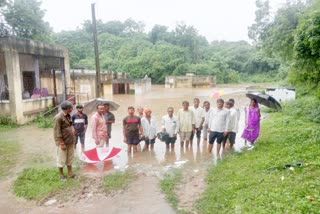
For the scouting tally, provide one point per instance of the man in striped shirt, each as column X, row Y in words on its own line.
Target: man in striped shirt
column 80, row 123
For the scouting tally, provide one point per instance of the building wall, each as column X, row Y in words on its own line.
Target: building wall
column 142, row 86
column 107, row 89
column 190, row 81
column 5, row 107
column 34, row 106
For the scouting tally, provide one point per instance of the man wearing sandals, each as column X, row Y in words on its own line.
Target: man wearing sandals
column 64, row 138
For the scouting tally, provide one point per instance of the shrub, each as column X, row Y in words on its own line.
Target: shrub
column 7, row 120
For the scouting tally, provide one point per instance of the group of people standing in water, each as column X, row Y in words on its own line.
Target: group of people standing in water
column 215, row 124
column 218, row 124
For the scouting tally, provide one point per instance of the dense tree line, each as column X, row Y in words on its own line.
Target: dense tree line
column 285, row 45
column 126, row 47
column 293, row 37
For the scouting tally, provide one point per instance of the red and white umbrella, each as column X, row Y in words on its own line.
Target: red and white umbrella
column 99, row 154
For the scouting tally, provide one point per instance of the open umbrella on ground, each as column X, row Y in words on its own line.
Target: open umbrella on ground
column 91, row 106
column 99, row 154
column 265, row 100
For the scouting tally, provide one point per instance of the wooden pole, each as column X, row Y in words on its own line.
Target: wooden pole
column 96, row 51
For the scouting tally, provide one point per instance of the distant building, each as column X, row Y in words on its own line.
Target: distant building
column 281, row 93
column 190, row 81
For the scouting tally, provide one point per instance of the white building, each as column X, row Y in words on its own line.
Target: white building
column 281, row 93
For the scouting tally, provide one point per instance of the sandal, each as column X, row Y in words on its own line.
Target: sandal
column 63, row 178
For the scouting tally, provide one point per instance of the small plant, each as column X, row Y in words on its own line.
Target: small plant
column 168, row 184
column 7, row 120
column 44, row 121
column 117, row 180
column 38, row 183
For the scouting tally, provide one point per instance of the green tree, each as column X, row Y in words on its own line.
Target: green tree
column 258, row 30
column 25, row 18
column 188, row 37
column 307, row 49
column 281, row 32
column 158, row 33
column 4, row 27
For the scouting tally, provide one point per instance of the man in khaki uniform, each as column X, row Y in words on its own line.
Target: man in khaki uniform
column 64, row 139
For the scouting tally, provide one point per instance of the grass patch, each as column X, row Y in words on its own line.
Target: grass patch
column 8, row 156
column 117, row 181
column 168, row 184
column 39, row 183
column 241, row 183
column 44, row 121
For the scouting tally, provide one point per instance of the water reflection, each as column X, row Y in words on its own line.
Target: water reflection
column 159, row 99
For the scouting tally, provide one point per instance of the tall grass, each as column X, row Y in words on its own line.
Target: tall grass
column 270, row 178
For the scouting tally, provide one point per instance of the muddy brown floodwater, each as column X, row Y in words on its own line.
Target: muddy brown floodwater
column 159, row 99
column 39, row 150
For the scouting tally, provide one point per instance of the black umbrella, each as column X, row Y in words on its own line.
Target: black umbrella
column 91, row 106
column 265, row 100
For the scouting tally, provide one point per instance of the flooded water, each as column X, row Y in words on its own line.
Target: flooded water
column 159, row 99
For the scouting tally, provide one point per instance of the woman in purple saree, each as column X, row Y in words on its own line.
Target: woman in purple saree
column 252, row 119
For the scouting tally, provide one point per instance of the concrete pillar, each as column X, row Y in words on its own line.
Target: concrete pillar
column 65, row 74
column 36, row 71
column 66, row 67
column 14, row 84
column 64, row 88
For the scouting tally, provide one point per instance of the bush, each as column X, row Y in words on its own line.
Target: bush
column 306, row 108
column 44, row 121
column 7, row 120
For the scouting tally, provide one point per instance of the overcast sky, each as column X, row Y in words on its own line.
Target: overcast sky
column 215, row 19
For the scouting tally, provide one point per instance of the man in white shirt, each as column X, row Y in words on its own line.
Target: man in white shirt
column 233, row 125
column 149, row 127
column 199, row 120
column 187, row 122
column 236, row 108
column 218, row 125
column 170, row 125
column 207, row 110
